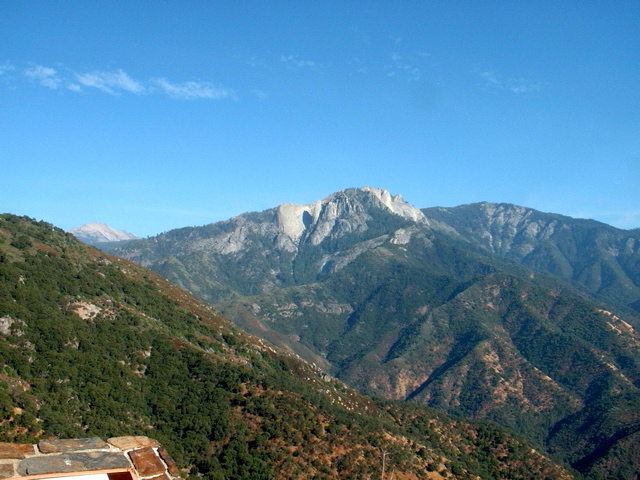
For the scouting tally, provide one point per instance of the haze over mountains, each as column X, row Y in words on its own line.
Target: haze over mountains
column 490, row 311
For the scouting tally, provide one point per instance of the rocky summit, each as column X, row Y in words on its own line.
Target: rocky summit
column 282, row 246
column 337, row 215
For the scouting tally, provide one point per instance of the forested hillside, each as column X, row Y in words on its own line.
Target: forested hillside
column 94, row 345
column 532, row 354
column 438, row 308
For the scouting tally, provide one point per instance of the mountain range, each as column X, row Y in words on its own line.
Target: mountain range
column 94, row 345
column 487, row 311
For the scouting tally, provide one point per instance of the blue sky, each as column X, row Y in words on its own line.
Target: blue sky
column 150, row 116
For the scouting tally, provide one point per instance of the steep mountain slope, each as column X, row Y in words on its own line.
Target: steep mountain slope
column 94, row 345
column 97, row 233
column 485, row 344
column 604, row 259
column 404, row 306
column 288, row 245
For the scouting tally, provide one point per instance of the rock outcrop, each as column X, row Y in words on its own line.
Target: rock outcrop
column 340, row 213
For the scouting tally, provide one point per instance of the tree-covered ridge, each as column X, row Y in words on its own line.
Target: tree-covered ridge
column 94, row 345
column 465, row 334
column 490, row 311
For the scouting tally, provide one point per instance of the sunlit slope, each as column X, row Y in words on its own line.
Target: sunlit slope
column 441, row 309
column 94, row 345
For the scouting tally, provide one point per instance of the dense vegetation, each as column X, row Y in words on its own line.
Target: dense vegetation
column 94, row 345
column 449, row 313
column 536, row 356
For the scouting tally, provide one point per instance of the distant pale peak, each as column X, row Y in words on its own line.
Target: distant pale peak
column 93, row 233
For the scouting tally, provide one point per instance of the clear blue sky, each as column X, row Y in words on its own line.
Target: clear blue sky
column 150, row 116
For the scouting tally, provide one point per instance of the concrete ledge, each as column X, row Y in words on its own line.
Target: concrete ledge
column 142, row 457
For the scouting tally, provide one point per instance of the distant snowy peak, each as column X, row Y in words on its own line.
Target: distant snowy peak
column 93, row 233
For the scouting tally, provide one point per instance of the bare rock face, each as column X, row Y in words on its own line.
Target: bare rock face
column 291, row 225
column 505, row 223
column 292, row 222
column 261, row 251
column 338, row 214
column 397, row 205
column 95, row 233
